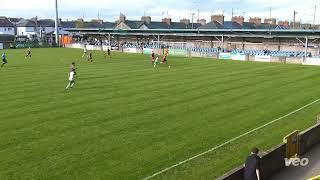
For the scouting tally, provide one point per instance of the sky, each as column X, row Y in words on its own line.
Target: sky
column 109, row 10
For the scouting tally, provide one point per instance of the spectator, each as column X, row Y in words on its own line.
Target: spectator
column 252, row 166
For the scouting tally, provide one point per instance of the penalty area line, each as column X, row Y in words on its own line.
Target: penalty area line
column 230, row 141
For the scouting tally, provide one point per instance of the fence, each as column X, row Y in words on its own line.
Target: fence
column 309, row 138
column 184, row 52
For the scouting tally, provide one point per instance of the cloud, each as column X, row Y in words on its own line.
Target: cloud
column 134, row 9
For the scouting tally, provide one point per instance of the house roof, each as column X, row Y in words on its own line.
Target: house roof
column 46, row 23
column 68, row 24
column 226, row 25
column 212, row 25
column 26, row 23
column 173, row 25
column 266, row 26
column 109, row 25
column 248, row 25
column 195, row 25
column 93, row 25
column 281, row 27
column 231, row 25
column 14, row 20
column 157, row 25
column 270, row 26
column 180, row 25
column 4, row 22
column 134, row 24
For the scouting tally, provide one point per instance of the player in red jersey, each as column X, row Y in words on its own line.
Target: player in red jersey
column 164, row 60
column 152, row 58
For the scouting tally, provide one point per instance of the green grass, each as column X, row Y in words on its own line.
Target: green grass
column 127, row 120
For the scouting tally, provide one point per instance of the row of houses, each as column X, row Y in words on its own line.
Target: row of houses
column 43, row 27
column 6, row 27
column 216, row 22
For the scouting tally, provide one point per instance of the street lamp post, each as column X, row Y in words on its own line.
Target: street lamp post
column 192, row 19
column 56, row 24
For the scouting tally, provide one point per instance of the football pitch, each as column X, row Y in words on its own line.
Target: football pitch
column 125, row 119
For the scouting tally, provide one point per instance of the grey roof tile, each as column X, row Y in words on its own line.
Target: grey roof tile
column 4, row 22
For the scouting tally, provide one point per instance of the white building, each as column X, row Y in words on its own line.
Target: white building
column 35, row 28
column 6, row 27
column 47, row 26
column 27, row 28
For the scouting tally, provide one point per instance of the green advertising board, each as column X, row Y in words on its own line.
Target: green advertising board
column 147, row 51
column 225, row 56
column 26, row 45
column 178, row 52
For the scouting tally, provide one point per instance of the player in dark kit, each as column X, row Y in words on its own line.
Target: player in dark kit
column 109, row 52
column 73, row 67
column 4, row 60
column 28, row 53
column 164, row 61
column 90, row 57
column 152, row 58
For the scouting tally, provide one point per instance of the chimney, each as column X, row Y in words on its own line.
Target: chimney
column 185, row 21
column 271, row 21
column 238, row 19
column 218, row 18
column 146, row 19
column 167, row 20
column 202, row 21
column 255, row 20
column 122, row 18
column 35, row 19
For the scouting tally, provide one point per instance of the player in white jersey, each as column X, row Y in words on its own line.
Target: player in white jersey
column 72, row 75
column 84, row 51
column 156, row 62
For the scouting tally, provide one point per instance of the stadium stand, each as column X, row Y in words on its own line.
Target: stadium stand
column 271, row 53
column 215, row 50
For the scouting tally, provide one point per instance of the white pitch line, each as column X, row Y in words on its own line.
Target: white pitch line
column 227, row 142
